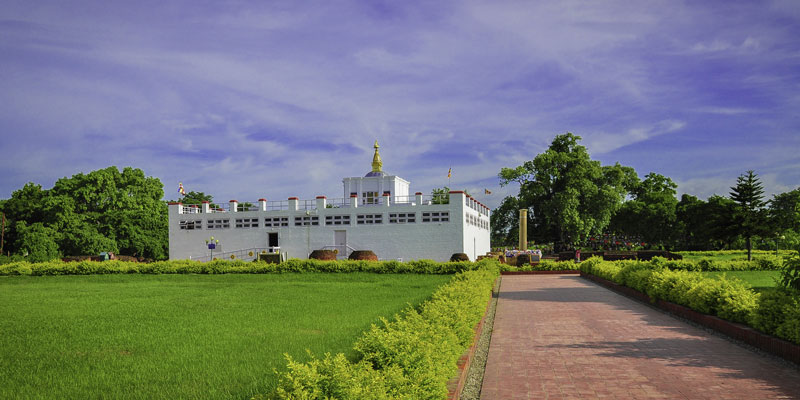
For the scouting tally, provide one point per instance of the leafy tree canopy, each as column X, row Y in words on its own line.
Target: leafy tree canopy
column 104, row 210
column 571, row 195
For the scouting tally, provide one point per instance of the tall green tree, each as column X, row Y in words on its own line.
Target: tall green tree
column 784, row 211
column 104, row 210
column 749, row 213
column 651, row 212
column 705, row 225
column 36, row 242
column 505, row 222
column 571, row 195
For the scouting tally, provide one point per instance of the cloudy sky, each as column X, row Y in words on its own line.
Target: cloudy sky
column 274, row 99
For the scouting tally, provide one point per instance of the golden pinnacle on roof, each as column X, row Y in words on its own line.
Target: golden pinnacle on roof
column 377, row 164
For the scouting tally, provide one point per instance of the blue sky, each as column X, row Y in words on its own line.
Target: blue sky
column 275, row 99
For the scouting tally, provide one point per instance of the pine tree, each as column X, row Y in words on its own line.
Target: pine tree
column 749, row 213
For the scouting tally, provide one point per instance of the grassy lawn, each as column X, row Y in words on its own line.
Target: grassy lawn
column 182, row 336
column 759, row 280
column 729, row 255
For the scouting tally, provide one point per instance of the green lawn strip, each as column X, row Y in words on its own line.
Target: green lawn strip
column 730, row 255
column 183, row 336
column 758, row 280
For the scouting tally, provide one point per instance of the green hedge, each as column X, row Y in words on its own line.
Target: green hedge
column 231, row 267
column 412, row 356
column 545, row 265
column 765, row 262
column 775, row 312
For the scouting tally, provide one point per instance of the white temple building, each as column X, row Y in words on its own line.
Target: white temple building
column 377, row 213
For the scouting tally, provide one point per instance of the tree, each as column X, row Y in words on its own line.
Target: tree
column 440, row 195
column 504, row 221
column 104, row 210
column 651, row 213
column 749, row 213
column 784, row 211
column 36, row 242
column 571, row 195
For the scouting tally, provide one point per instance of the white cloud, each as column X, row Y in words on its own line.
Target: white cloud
column 604, row 142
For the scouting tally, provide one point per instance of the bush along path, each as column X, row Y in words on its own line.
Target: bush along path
column 412, row 356
column 232, row 267
column 775, row 312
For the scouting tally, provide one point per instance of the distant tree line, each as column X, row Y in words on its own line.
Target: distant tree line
column 573, row 200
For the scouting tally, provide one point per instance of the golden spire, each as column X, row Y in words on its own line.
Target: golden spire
column 377, row 164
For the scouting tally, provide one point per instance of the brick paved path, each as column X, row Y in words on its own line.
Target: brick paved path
column 560, row 337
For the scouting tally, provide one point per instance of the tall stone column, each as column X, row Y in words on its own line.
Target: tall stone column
column 523, row 229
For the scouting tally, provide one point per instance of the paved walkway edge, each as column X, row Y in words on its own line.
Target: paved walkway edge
column 769, row 344
column 456, row 384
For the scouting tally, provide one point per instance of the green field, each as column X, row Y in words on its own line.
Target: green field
column 182, row 336
column 759, row 280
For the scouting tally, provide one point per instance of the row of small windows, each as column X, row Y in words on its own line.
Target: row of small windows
column 402, row 218
column 337, row 220
column 369, row 219
column 440, row 216
column 313, row 220
column 477, row 221
column 306, row 221
column 272, row 222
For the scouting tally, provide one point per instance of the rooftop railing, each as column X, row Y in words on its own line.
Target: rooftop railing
column 307, row 205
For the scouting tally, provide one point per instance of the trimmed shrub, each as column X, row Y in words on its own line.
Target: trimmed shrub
column 232, row 267
column 322, row 255
column 546, row 265
column 459, row 257
column 790, row 273
column 730, row 299
column 778, row 313
column 365, row 255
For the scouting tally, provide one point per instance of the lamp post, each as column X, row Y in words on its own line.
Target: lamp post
column 212, row 244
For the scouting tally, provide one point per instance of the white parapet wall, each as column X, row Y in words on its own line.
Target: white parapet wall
column 399, row 227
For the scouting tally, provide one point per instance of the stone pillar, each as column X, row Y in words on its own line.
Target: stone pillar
column 386, row 201
column 293, row 201
column 418, row 198
column 206, row 207
column 262, row 204
column 322, row 202
column 353, row 200
column 523, row 229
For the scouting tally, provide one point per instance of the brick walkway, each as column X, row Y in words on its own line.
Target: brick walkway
column 564, row 337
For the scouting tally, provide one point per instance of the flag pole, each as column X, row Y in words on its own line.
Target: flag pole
column 449, row 172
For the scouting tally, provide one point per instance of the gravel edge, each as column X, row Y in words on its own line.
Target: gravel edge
column 474, row 381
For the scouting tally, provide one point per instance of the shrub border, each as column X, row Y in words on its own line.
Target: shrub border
column 456, row 384
column 770, row 344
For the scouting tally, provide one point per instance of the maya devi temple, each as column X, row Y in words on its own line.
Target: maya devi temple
column 378, row 213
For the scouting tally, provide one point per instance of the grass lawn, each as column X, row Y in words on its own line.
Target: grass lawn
column 182, row 336
column 759, row 280
column 729, row 255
